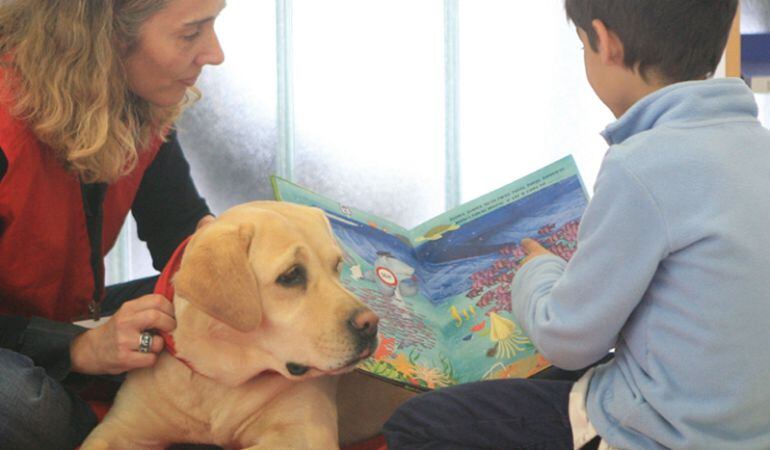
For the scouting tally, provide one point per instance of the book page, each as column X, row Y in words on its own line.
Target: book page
column 468, row 260
column 442, row 290
column 380, row 268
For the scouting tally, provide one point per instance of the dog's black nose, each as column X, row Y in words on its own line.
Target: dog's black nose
column 364, row 323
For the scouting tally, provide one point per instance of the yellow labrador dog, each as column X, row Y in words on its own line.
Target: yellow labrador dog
column 264, row 327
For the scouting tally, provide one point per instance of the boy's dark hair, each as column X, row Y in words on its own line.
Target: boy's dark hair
column 679, row 40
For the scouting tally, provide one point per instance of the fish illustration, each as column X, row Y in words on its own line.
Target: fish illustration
column 403, row 239
column 437, row 232
column 385, row 348
column 546, row 229
column 479, row 326
column 507, row 337
column 456, row 316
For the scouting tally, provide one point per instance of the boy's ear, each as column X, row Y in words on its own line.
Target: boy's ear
column 609, row 45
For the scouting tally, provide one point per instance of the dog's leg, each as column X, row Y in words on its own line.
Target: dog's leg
column 303, row 418
column 295, row 437
column 95, row 443
column 364, row 403
column 299, row 435
column 102, row 438
column 134, row 421
column 107, row 437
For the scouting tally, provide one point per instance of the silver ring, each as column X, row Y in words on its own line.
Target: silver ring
column 145, row 341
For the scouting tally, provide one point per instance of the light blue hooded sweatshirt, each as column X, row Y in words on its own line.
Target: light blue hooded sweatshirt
column 673, row 271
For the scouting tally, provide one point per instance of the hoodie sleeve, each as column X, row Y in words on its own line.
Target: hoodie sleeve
column 574, row 312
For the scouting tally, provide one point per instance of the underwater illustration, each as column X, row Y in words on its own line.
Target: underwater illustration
column 443, row 289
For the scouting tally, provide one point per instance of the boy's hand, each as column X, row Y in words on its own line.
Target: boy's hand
column 533, row 249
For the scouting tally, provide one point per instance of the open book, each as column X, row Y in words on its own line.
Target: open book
column 443, row 289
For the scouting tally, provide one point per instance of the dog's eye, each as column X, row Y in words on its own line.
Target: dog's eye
column 296, row 276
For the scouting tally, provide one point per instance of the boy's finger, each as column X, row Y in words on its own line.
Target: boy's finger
column 531, row 246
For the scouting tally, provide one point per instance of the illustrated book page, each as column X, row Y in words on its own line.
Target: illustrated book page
column 443, row 289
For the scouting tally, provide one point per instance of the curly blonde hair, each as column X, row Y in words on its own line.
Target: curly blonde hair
column 63, row 61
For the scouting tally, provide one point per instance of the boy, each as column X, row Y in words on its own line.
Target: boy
column 672, row 268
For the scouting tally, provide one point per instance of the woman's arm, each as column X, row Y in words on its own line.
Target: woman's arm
column 168, row 207
column 44, row 341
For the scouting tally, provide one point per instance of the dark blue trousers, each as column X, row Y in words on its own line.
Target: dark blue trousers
column 39, row 412
column 498, row 414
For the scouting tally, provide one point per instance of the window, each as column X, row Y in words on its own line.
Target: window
column 524, row 98
column 400, row 108
column 755, row 19
column 763, row 100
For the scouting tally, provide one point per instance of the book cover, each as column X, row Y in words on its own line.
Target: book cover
column 443, row 288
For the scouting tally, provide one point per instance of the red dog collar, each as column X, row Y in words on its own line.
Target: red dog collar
column 164, row 287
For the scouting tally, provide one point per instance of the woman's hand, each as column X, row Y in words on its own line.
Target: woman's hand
column 113, row 348
column 533, row 250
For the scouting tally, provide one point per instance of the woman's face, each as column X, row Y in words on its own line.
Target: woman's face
column 173, row 46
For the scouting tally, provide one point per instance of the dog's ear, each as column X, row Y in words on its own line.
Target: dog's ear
column 215, row 275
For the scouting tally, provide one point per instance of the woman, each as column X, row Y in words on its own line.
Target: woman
column 89, row 90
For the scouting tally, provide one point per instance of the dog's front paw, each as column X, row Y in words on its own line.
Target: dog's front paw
column 95, row 444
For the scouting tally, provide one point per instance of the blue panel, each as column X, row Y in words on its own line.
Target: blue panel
column 755, row 54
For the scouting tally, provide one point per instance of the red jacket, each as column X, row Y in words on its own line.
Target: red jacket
column 45, row 267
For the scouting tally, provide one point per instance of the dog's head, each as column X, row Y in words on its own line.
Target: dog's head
column 262, row 283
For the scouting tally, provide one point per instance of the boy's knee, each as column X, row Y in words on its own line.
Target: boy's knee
column 417, row 424
column 406, row 425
